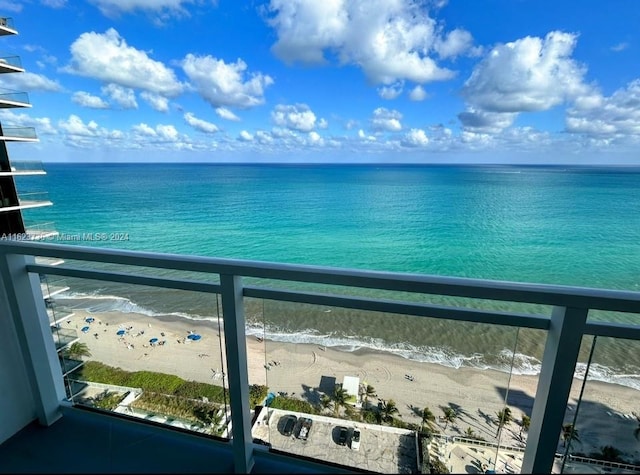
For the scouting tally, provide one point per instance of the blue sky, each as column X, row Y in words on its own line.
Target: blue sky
column 395, row 81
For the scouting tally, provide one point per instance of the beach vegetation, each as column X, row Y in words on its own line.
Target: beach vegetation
column 608, row 453
column 525, row 423
column 340, row 397
column 325, row 402
column 107, row 400
column 77, row 351
column 257, row 394
column 450, row 415
column 428, row 418
column 387, row 409
column 369, row 392
column 370, row 416
column 437, row 466
column 504, row 417
column 292, row 404
column 569, row 433
column 150, row 382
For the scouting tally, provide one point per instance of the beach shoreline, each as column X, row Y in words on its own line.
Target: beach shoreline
column 307, row 371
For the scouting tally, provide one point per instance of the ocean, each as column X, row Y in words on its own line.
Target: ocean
column 557, row 225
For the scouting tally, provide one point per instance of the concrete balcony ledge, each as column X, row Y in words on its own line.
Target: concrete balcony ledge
column 87, row 441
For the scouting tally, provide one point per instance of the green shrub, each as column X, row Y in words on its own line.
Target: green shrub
column 292, row 404
column 107, row 400
column 257, row 393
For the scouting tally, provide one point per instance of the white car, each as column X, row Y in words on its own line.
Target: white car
column 355, row 439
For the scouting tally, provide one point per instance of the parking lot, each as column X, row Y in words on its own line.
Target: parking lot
column 382, row 449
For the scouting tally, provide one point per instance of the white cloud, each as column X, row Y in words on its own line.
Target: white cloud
column 416, row 138
column 418, row 94
column 245, row 136
column 108, row 58
column 85, row 99
column 75, row 126
column 223, row 84
column 156, row 101
column 486, row 122
column 618, row 114
column 620, row 47
column 389, row 39
column 364, row 136
column 167, row 132
column 54, row 3
column 199, row 124
column 263, row 137
column 29, row 82
column 10, row 6
column 456, row 43
column 225, row 113
column 315, row 138
column 297, row 117
column 392, row 91
column 386, row 120
column 124, row 97
column 530, row 74
column 323, row 124
column 164, row 8
column 42, row 125
column 144, row 129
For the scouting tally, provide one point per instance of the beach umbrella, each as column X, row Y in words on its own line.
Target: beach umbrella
column 89, row 319
column 194, row 337
column 85, row 329
column 153, row 341
column 120, row 332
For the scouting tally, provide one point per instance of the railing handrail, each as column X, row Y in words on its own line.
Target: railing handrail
column 546, row 294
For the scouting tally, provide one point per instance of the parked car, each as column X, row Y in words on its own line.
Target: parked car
column 355, row 439
column 342, row 436
column 305, row 427
column 289, row 424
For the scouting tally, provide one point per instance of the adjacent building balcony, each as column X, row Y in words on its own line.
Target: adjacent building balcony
column 10, row 64
column 26, row 200
column 18, row 134
column 7, row 27
column 40, row 231
column 249, row 360
column 11, row 100
column 23, row 168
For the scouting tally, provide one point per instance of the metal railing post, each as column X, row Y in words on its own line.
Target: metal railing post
column 237, row 371
column 29, row 313
column 554, row 386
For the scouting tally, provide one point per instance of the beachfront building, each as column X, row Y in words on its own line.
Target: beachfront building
column 16, row 222
column 351, row 385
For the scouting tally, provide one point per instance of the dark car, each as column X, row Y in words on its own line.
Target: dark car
column 289, row 424
column 342, row 436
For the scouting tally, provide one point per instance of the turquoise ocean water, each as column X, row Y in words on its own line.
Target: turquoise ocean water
column 556, row 225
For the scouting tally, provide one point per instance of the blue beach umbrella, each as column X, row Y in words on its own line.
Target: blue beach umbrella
column 120, row 332
column 153, row 341
column 89, row 319
column 194, row 337
column 85, row 329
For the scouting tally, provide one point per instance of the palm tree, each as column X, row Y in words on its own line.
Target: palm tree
column 325, row 401
column 77, row 350
column 470, row 433
column 525, row 423
column 387, row 410
column 569, row 433
column 428, row 418
column 449, row 415
column 504, row 417
column 340, row 397
column 369, row 391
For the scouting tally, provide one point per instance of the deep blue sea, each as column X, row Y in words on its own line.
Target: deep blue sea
column 558, row 225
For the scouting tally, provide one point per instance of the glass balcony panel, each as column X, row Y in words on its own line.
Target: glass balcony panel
column 41, row 230
column 63, row 336
column 10, row 61
column 24, row 166
column 632, row 319
column 377, row 373
column 10, row 99
column 28, row 133
column 601, row 429
column 151, row 353
column 7, row 22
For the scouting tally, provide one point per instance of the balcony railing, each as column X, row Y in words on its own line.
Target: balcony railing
column 41, row 231
column 10, row 64
column 24, row 167
column 18, row 134
column 240, row 293
column 34, row 199
column 6, row 26
column 14, row 99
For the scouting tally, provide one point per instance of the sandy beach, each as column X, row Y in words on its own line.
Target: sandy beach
column 305, row 371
